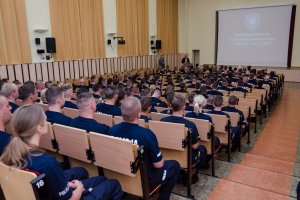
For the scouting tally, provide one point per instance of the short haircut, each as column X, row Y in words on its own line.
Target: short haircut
column 52, row 93
column 81, row 90
column 83, row 99
column 96, row 87
column 130, row 108
column 210, row 100
column 203, row 89
column 218, row 100
column 30, row 83
column 110, row 92
column 145, row 92
column 26, row 90
column 146, row 103
column 8, row 88
column 191, row 97
column 233, row 100
column 177, row 102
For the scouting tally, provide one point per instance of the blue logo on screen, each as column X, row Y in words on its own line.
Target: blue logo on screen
column 252, row 21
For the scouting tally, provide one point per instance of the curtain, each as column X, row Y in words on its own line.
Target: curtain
column 133, row 25
column 14, row 36
column 167, row 25
column 77, row 26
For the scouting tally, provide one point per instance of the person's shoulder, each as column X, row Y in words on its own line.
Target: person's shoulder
column 4, row 135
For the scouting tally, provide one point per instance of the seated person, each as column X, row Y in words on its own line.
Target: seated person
column 97, row 90
column 169, row 109
column 68, row 96
column 214, row 90
column 69, row 184
column 189, row 106
column 210, row 103
column 193, row 83
column 182, row 87
column 203, row 91
column 233, row 100
column 55, row 99
column 146, row 105
column 199, row 102
column 235, row 131
column 28, row 94
column 11, row 92
column 245, row 81
column 109, row 106
column 199, row 151
column 159, row 171
column 5, row 116
column 87, row 107
column 224, row 85
column 155, row 98
column 39, row 85
column 92, row 81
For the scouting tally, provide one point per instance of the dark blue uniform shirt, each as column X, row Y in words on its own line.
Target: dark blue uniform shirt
column 209, row 107
column 233, row 109
column 4, row 140
column 199, row 116
column 146, row 118
column 69, row 104
column 13, row 106
column 90, row 125
column 58, row 118
column 158, row 102
column 113, row 110
column 140, row 136
column 57, row 182
column 214, row 92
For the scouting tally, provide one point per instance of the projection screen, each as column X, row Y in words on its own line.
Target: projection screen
column 254, row 36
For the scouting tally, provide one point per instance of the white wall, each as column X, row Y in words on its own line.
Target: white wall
column 152, row 22
column 38, row 17
column 202, row 20
column 110, row 27
column 183, row 26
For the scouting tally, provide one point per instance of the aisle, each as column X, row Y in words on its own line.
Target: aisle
column 267, row 172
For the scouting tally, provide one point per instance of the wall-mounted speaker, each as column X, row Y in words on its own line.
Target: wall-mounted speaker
column 121, row 41
column 37, row 41
column 158, row 44
column 50, row 45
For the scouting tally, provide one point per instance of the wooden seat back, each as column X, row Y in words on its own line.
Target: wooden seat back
column 220, row 124
column 43, row 105
column 19, row 102
column 21, row 184
column 159, row 109
column 73, row 113
column 203, row 127
column 123, row 153
column 234, row 118
column 72, row 142
column 46, row 141
column 170, row 137
column 104, row 119
column 8, row 127
column 158, row 116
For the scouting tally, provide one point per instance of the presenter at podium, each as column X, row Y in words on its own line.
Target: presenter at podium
column 185, row 60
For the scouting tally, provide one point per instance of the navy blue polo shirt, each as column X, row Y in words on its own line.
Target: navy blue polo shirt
column 146, row 118
column 57, row 181
column 233, row 109
column 214, row 92
column 96, row 96
column 69, row 104
column 209, row 107
column 199, row 116
column 189, row 108
column 140, row 136
column 158, row 102
column 224, row 88
column 4, row 140
column 190, row 125
column 13, row 106
column 90, row 125
column 167, row 111
column 113, row 110
column 58, row 118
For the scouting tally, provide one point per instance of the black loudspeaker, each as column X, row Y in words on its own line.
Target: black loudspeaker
column 121, row 41
column 37, row 41
column 158, row 44
column 50, row 45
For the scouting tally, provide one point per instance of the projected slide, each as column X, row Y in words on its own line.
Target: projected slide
column 254, row 36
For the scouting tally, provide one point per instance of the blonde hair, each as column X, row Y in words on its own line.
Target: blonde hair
column 24, row 123
column 199, row 103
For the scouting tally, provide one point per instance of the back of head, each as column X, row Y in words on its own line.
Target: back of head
column 191, row 97
column 96, row 87
column 67, row 90
column 232, row 100
column 218, row 101
column 84, row 100
column 25, row 121
column 199, row 103
column 110, row 92
column 215, row 85
column 8, row 88
column 131, row 107
column 203, row 89
column 177, row 103
column 145, row 93
column 146, row 103
column 211, row 100
column 26, row 90
column 52, row 94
